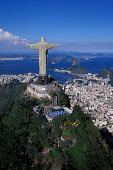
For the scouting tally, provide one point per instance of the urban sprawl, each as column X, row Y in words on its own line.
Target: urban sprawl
column 93, row 94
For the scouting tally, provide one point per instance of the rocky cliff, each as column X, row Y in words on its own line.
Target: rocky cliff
column 76, row 68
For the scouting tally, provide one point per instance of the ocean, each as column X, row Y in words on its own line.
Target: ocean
column 92, row 65
column 95, row 65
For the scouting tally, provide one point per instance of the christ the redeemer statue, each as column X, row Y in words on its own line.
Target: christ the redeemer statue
column 43, row 48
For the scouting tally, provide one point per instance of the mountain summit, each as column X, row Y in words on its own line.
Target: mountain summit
column 75, row 62
column 76, row 68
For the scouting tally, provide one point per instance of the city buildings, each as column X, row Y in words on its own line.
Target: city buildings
column 95, row 96
column 23, row 78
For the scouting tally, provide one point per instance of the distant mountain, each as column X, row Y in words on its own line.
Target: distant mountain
column 105, row 73
column 75, row 63
column 76, row 68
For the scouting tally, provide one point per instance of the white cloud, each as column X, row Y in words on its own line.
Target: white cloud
column 11, row 40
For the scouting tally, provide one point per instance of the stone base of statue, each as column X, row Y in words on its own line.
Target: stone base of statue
column 43, row 89
column 43, row 79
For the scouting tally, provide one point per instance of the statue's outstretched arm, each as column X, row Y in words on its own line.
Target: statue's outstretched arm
column 33, row 46
column 52, row 46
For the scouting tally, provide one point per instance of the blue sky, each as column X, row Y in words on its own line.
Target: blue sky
column 80, row 25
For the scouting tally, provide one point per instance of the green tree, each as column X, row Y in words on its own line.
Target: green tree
column 89, row 152
column 63, row 99
column 57, row 154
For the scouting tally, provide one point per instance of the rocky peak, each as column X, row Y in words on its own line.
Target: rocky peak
column 104, row 73
column 75, row 62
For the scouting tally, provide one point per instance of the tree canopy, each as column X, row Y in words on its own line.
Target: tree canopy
column 24, row 135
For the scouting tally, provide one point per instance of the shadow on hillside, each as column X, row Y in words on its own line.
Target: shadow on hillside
column 109, row 137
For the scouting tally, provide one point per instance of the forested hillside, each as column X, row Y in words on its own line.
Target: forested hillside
column 10, row 92
column 28, row 141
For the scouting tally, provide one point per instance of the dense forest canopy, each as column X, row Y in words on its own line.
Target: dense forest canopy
column 28, row 141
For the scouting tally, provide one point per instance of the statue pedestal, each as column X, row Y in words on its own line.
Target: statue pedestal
column 43, row 79
column 42, row 90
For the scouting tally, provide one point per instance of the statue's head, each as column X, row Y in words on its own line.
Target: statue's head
column 42, row 39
